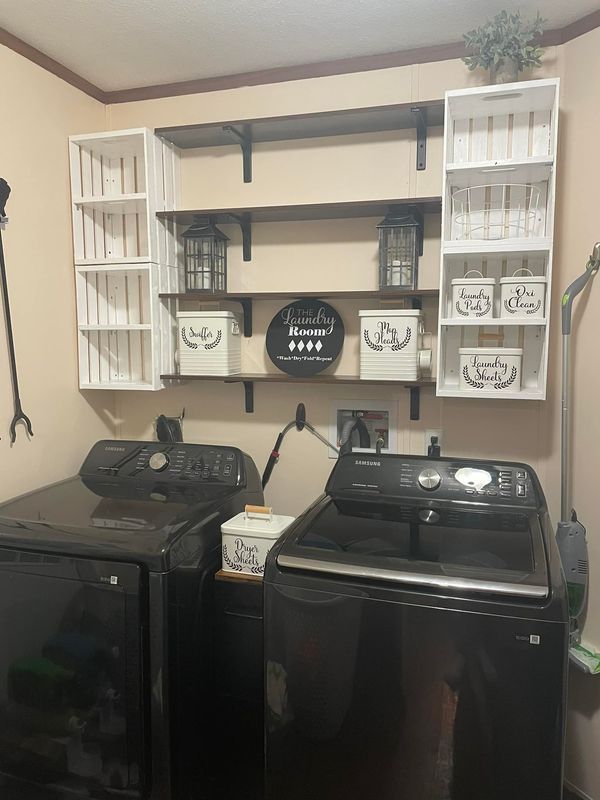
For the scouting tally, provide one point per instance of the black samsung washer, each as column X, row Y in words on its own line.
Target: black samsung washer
column 416, row 637
column 106, row 582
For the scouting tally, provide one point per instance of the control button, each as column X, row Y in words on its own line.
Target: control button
column 428, row 515
column 481, row 491
column 159, row 461
column 505, row 494
column 469, row 491
column 521, row 475
column 492, row 492
column 229, row 456
column 521, row 492
column 429, row 479
column 227, row 470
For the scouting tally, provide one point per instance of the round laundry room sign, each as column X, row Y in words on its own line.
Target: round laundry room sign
column 305, row 337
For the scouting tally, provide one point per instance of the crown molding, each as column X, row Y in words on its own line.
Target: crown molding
column 50, row 65
column 400, row 58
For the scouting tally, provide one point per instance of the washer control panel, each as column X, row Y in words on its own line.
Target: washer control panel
column 170, row 462
column 444, row 479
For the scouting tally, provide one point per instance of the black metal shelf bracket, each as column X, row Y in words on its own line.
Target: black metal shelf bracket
column 249, row 396
column 244, row 139
column 246, row 304
column 415, row 402
column 245, row 223
column 421, row 121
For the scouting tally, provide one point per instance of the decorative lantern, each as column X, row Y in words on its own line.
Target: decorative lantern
column 205, row 254
column 400, row 245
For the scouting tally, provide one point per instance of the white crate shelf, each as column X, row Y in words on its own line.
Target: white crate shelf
column 497, row 135
column 498, row 247
column 124, row 257
column 115, row 327
column 493, row 322
column 122, row 204
column 530, row 170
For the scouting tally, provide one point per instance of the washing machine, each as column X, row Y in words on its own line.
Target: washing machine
column 106, row 602
column 416, row 637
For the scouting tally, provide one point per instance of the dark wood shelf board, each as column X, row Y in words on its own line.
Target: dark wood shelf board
column 305, row 126
column 374, row 294
column 280, row 377
column 304, row 212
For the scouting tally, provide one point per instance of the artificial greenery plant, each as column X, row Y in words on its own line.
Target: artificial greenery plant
column 506, row 40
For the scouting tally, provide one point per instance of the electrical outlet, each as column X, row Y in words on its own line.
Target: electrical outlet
column 434, row 432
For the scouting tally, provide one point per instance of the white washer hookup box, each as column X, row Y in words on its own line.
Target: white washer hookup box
column 490, row 369
column 391, row 344
column 473, row 298
column 209, row 343
column 248, row 537
column 522, row 296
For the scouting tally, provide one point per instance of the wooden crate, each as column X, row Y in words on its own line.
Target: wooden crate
column 498, row 135
column 124, row 257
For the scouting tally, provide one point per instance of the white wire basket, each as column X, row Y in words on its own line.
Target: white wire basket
column 497, row 211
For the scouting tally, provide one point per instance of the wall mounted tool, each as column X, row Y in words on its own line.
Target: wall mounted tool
column 19, row 416
column 571, row 534
column 169, row 429
column 300, row 423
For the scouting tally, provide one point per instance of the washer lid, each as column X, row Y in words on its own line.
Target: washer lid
column 424, row 544
column 151, row 503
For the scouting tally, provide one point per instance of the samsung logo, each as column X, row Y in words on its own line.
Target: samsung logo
column 362, row 463
column 113, row 449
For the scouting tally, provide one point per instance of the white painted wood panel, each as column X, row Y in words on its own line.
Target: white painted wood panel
column 508, row 135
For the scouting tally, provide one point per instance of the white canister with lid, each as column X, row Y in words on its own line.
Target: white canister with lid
column 473, row 298
column 392, row 344
column 209, row 343
column 490, row 369
column 522, row 296
column 247, row 538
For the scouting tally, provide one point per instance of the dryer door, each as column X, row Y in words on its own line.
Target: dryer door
column 71, row 711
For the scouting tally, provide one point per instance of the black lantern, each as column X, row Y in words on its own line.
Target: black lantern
column 400, row 245
column 205, row 253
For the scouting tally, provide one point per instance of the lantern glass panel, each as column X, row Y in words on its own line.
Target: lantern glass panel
column 398, row 254
column 205, row 253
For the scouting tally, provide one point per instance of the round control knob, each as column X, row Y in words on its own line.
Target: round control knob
column 429, row 515
column 158, row 461
column 429, row 479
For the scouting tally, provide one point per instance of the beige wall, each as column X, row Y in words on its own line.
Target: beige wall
column 39, row 111
column 316, row 256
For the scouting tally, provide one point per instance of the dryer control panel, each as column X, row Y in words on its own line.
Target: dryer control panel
column 179, row 462
column 442, row 479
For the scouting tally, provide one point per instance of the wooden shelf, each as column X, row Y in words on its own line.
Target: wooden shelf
column 221, row 575
column 303, row 212
column 525, row 394
column 246, row 299
column 111, row 264
column 497, row 247
column 484, row 173
column 305, row 126
column 119, row 386
column 133, row 203
column 116, row 327
column 374, row 294
column 249, row 379
column 500, row 322
column 281, row 377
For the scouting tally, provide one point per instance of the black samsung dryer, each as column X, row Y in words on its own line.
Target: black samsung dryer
column 106, row 581
column 416, row 637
